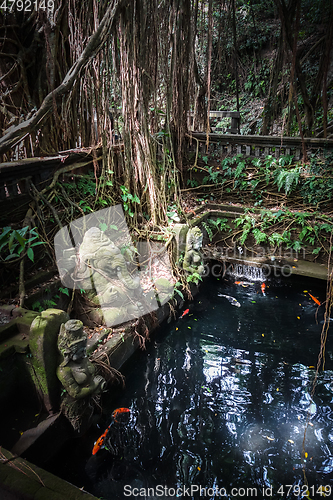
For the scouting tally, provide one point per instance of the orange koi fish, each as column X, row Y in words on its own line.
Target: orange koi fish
column 315, row 300
column 119, row 411
column 100, row 441
column 184, row 313
column 263, row 286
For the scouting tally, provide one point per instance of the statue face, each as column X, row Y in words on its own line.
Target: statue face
column 79, row 354
column 197, row 243
column 78, row 350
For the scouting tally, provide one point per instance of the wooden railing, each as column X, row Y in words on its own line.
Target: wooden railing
column 16, row 176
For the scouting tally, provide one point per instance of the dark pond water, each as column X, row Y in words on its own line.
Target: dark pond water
column 220, row 399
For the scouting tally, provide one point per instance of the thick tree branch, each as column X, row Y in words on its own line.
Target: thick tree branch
column 96, row 41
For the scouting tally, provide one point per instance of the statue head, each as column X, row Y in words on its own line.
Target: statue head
column 194, row 239
column 72, row 341
column 93, row 240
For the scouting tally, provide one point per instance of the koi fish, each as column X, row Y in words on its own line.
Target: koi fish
column 314, row 299
column 232, row 300
column 100, row 441
column 243, row 283
column 263, row 286
column 184, row 313
column 119, row 411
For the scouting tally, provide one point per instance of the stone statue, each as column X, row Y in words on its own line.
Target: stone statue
column 101, row 265
column 77, row 374
column 99, row 258
column 193, row 262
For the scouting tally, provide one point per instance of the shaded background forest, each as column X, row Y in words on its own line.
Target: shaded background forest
column 78, row 74
column 157, row 60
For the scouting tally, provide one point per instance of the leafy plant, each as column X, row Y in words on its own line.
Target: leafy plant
column 219, row 224
column 288, row 179
column 44, row 304
column 302, row 228
column 15, row 241
column 172, row 214
column 318, row 184
column 85, row 207
column 209, row 230
column 194, row 278
column 176, row 287
column 128, row 198
column 192, row 182
column 247, row 223
column 212, row 177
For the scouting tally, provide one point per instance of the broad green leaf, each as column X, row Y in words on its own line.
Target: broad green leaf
column 22, row 241
column 30, row 254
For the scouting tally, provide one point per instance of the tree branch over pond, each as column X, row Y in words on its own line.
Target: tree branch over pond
column 16, row 133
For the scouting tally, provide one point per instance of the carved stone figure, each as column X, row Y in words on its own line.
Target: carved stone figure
column 193, row 262
column 101, row 265
column 100, row 259
column 77, row 374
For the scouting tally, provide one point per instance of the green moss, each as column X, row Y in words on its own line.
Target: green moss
column 43, row 346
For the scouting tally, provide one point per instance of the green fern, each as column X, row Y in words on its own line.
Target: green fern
column 244, row 236
column 259, row 236
column 209, row 231
column 275, row 239
column 239, row 169
column 288, row 179
column 280, row 180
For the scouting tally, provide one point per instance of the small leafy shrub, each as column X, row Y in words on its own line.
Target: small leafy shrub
column 15, row 241
column 218, row 225
column 286, row 228
column 318, row 184
column 128, row 198
column 288, row 179
column 42, row 305
column 172, row 213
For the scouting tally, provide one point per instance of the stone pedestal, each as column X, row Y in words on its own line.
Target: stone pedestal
column 45, row 357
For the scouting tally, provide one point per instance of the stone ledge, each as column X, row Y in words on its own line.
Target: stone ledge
column 20, row 479
column 298, row 266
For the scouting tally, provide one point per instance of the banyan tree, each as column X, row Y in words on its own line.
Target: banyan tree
column 74, row 71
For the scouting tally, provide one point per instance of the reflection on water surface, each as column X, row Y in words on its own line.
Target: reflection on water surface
column 221, row 398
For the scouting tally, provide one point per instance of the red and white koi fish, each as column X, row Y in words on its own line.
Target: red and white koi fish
column 263, row 287
column 184, row 313
column 119, row 411
column 315, row 300
column 100, row 441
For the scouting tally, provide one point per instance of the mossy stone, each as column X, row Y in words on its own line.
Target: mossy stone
column 180, row 231
column 45, row 357
column 164, row 289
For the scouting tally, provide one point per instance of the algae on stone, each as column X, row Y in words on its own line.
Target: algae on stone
column 77, row 375
column 43, row 340
column 193, row 261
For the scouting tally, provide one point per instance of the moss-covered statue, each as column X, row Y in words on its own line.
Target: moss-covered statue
column 101, row 265
column 193, row 262
column 77, row 375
